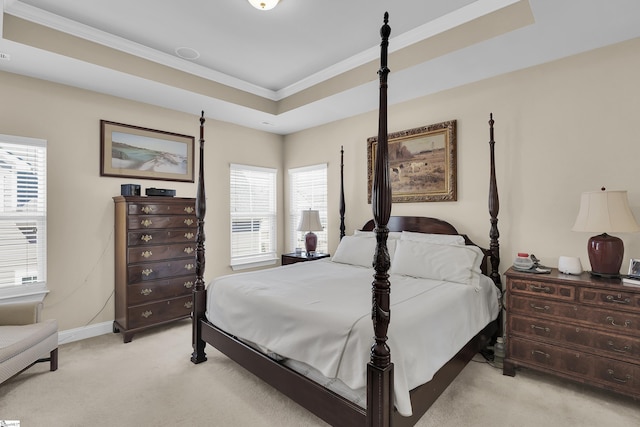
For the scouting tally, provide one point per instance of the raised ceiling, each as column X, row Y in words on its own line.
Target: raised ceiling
column 302, row 64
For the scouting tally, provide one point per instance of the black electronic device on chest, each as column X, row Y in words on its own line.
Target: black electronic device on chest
column 159, row 192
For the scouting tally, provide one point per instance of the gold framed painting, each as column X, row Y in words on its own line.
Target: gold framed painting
column 137, row 152
column 422, row 163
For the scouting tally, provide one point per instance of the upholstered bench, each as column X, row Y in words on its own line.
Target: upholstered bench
column 24, row 340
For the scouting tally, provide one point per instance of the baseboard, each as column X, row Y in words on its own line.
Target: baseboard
column 90, row 331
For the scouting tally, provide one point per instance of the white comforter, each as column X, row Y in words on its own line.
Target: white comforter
column 319, row 313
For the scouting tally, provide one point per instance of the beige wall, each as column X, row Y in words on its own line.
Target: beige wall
column 80, row 206
column 561, row 128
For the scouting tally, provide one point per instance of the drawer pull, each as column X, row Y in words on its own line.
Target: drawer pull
column 188, row 221
column 189, row 209
column 189, row 267
column 147, row 254
column 534, row 352
column 147, row 271
column 618, row 299
column 611, row 373
column 537, row 288
column 188, row 304
column 611, row 320
column 146, row 292
column 547, row 330
column 189, row 235
column 624, row 349
column 188, row 250
column 188, row 285
column 147, row 209
column 146, row 314
column 535, row 307
column 146, row 237
column 146, row 222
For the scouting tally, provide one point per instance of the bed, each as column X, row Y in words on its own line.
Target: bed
column 309, row 334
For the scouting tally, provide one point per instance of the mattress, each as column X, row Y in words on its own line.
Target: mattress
column 317, row 316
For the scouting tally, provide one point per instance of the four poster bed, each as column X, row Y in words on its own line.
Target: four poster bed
column 304, row 328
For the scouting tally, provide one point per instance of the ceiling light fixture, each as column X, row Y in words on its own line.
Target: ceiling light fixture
column 264, row 4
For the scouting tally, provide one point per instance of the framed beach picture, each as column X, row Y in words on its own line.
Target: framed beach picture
column 137, row 152
column 422, row 163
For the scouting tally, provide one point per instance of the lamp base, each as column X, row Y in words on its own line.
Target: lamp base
column 605, row 254
column 310, row 242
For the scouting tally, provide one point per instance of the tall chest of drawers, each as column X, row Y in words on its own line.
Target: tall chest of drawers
column 578, row 327
column 154, row 261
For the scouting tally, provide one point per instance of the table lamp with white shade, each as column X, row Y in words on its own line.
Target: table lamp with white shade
column 605, row 211
column 310, row 222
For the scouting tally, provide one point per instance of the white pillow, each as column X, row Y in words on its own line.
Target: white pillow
column 452, row 263
column 442, row 239
column 392, row 234
column 359, row 250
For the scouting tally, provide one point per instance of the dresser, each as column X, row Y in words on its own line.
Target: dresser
column 577, row 327
column 154, row 261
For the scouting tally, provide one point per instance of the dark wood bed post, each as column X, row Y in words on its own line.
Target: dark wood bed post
column 494, row 207
column 494, row 234
column 199, row 293
column 342, row 204
column 380, row 368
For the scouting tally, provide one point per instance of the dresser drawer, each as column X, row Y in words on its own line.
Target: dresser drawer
column 151, row 237
column 153, row 208
column 161, row 252
column 614, row 321
column 138, row 222
column 612, row 374
column 616, row 346
column 615, row 298
column 549, row 290
column 157, row 270
column 149, row 314
column 142, row 293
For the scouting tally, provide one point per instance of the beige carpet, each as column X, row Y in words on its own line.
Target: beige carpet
column 151, row 382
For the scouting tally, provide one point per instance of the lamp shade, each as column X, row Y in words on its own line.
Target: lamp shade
column 607, row 212
column 264, row 4
column 310, row 221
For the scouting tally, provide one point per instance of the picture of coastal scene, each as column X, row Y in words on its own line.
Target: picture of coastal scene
column 144, row 153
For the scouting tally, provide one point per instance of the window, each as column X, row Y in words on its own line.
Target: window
column 23, row 216
column 253, row 216
column 308, row 190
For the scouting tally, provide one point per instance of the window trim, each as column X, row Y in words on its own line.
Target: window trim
column 30, row 292
column 324, row 214
column 254, row 260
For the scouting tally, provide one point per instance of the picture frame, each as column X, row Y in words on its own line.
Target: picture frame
column 634, row 268
column 129, row 151
column 422, row 163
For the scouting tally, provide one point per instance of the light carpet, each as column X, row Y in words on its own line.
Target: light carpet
column 151, row 382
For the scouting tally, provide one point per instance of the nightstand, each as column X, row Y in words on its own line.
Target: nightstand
column 292, row 258
column 582, row 328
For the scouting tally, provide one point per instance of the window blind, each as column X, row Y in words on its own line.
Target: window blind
column 253, row 214
column 23, row 211
column 308, row 190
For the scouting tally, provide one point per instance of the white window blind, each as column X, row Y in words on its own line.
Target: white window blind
column 23, row 215
column 253, row 215
column 308, row 190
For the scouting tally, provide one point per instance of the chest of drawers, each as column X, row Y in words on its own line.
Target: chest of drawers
column 578, row 327
column 154, row 261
